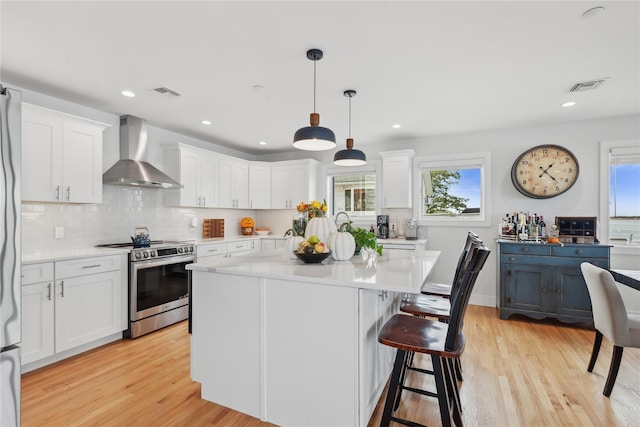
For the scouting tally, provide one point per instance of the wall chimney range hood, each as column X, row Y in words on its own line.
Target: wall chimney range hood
column 132, row 168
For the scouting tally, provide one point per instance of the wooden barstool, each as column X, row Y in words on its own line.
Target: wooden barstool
column 434, row 306
column 444, row 289
column 444, row 342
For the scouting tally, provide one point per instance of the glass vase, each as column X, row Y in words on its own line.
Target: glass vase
column 300, row 220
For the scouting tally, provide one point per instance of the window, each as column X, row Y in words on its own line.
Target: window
column 621, row 175
column 353, row 190
column 453, row 189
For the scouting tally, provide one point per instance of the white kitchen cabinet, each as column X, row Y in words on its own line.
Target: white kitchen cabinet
column 293, row 182
column 211, row 251
column 73, row 303
column 259, row 185
column 233, row 183
column 197, row 171
column 397, row 167
column 377, row 360
column 37, row 312
column 62, row 159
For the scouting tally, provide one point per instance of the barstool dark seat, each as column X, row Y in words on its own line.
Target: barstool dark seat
column 444, row 342
column 444, row 289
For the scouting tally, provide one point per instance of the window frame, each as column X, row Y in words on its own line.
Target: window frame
column 372, row 167
column 605, row 195
column 448, row 162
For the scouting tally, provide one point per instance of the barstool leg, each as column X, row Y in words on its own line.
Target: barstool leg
column 442, row 389
column 394, row 385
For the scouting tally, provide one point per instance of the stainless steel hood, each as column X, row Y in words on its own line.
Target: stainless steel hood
column 132, row 168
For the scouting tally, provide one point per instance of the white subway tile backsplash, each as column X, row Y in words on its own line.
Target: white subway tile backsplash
column 115, row 219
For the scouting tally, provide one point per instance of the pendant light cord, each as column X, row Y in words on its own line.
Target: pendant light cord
column 314, row 85
column 349, row 116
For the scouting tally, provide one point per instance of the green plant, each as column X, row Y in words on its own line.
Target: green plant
column 365, row 239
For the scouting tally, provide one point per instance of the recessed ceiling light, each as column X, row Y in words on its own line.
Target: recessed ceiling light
column 569, row 104
column 593, row 12
column 205, row 122
column 128, row 93
column 396, row 126
column 262, row 143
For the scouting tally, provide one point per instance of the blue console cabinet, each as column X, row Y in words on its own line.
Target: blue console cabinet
column 539, row 280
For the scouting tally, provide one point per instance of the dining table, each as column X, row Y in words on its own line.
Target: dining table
column 629, row 278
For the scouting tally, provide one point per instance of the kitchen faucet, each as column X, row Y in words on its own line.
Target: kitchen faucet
column 342, row 213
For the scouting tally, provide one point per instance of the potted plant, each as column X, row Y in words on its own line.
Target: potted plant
column 365, row 239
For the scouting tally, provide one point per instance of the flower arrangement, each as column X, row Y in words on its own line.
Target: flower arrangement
column 315, row 209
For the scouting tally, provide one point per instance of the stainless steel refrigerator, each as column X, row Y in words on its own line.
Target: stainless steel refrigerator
column 10, row 253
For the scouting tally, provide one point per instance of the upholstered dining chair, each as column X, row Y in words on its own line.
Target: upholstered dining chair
column 610, row 318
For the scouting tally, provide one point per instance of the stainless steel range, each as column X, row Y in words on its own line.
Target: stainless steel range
column 158, row 284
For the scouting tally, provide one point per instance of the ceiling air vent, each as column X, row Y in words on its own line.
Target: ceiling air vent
column 165, row 91
column 583, row 86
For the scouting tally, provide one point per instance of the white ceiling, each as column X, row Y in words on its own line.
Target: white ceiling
column 435, row 67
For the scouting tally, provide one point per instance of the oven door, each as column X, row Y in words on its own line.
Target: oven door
column 158, row 285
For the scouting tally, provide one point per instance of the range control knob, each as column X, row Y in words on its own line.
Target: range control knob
column 179, row 250
column 190, row 248
column 137, row 255
column 146, row 254
column 153, row 254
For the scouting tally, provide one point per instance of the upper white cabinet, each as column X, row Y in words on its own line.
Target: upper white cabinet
column 197, row 171
column 293, row 182
column 397, row 169
column 233, row 183
column 259, row 185
column 62, row 157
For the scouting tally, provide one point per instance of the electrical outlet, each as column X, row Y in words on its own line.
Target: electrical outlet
column 59, row 232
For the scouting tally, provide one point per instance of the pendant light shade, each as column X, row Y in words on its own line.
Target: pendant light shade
column 350, row 156
column 314, row 137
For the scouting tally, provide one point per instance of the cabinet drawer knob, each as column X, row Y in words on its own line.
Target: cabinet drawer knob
column 596, row 263
column 525, row 249
column 580, row 252
column 512, row 259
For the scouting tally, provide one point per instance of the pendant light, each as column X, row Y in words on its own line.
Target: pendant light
column 314, row 137
column 349, row 157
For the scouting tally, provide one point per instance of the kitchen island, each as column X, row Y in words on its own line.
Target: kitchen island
column 296, row 344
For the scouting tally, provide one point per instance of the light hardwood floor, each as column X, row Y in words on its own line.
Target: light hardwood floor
column 518, row 372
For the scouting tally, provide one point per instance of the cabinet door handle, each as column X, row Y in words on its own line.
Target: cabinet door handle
column 68, row 193
column 558, row 291
column 204, row 201
column 544, row 290
column 62, row 288
column 91, row 266
column 58, row 192
column 49, row 292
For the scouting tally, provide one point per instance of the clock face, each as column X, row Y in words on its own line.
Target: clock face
column 544, row 171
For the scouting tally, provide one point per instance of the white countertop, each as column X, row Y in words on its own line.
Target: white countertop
column 85, row 252
column 400, row 271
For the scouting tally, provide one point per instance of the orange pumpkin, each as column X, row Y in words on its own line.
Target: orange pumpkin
column 247, row 221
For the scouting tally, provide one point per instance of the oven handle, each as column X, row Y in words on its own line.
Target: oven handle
column 140, row 265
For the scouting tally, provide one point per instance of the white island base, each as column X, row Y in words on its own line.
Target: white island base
column 296, row 344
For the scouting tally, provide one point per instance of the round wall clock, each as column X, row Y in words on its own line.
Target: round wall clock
column 544, row 171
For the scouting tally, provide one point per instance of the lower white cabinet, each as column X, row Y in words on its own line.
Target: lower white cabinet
column 73, row 303
column 211, row 251
column 37, row 312
column 376, row 359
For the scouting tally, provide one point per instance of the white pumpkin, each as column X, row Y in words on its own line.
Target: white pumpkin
column 342, row 245
column 292, row 242
column 321, row 227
